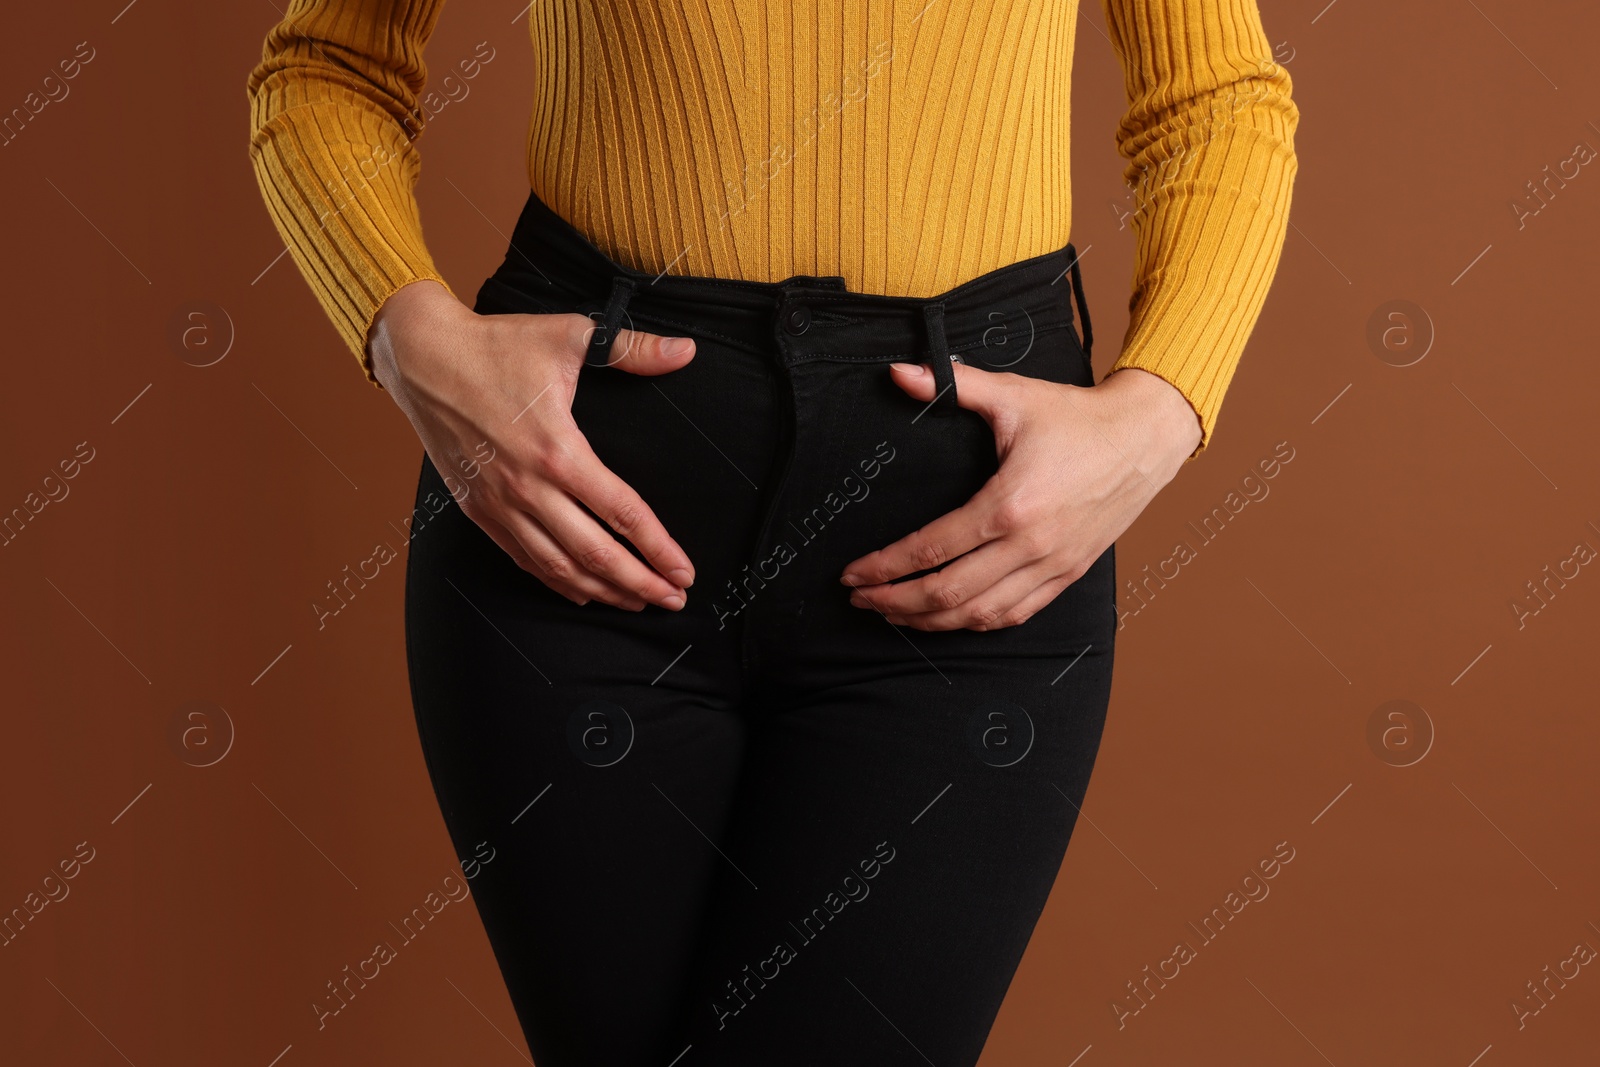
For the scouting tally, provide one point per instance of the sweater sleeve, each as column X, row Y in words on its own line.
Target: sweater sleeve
column 1209, row 139
column 333, row 119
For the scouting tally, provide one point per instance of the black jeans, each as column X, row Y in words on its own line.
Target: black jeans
column 771, row 828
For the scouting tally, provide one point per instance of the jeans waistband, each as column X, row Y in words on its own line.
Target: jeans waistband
column 810, row 317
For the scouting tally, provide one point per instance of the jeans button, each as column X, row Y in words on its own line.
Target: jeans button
column 798, row 321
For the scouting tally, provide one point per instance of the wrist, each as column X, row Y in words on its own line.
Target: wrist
column 415, row 308
column 1167, row 426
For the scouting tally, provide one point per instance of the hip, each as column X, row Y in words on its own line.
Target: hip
column 784, row 450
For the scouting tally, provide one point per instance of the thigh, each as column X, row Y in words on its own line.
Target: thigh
column 584, row 785
column 593, row 752
column 895, row 841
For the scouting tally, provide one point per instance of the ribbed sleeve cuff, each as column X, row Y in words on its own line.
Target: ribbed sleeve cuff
column 338, row 183
column 1208, row 247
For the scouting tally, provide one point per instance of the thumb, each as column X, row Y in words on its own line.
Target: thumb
column 977, row 390
column 649, row 354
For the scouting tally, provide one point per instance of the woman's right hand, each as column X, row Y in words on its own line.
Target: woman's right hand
column 464, row 378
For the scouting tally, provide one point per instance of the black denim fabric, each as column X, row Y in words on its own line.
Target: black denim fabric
column 771, row 828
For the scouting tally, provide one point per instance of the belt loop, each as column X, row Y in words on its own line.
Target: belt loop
column 939, row 358
column 601, row 340
column 1083, row 305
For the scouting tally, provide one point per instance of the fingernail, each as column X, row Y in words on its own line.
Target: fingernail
column 850, row 578
column 859, row 601
column 676, row 346
column 910, row 370
column 681, row 577
column 672, row 603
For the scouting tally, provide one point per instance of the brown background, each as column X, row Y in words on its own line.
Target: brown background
column 1382, row 566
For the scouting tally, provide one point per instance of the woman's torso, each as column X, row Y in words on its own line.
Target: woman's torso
column 904, row 146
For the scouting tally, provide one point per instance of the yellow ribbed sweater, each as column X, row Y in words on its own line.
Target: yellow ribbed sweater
column 904, row 145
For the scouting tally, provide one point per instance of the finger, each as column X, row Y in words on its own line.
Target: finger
column 991, row 394
column 595, row 551
column 990, row 610
column 625, row 511
column 949, row 587
column 536, row 552
column 524, row 556
column 1024, row 609
column 634, row 351
column 511, row 547
column 1033, row 603
column 934, row 545
column 649, row 354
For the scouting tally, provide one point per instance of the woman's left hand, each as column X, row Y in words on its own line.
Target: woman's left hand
column 1077, row 466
